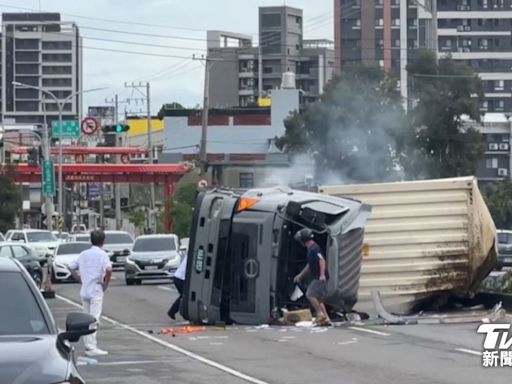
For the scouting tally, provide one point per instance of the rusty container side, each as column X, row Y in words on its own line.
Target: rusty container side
column 423, row 238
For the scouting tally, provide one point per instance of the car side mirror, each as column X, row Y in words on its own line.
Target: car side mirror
column 77, row 325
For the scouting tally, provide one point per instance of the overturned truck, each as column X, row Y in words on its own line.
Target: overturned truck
column 425, row 240
column 242, row 257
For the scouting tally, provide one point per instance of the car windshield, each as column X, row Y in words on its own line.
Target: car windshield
column 155, row 244
column 72, row 248
column 118, row 238
column 21, row 313
column 62, row 236
column 504, row 238
column 86, row 238
column 37, row 237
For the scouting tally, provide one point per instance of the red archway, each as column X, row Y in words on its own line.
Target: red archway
column 160, row 174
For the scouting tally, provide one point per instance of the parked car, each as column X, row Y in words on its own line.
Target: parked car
column 78, row 228
column 153, row 257
column 32, row 349
column 62, row 236
column 41, row 241
column 26, row 256
column 118, row 244
column 64, row 255
column 504, row 249
column 80, row 237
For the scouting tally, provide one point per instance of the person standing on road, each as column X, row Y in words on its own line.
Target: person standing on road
column 95, row 271
column 317, row 267
column 179, row 283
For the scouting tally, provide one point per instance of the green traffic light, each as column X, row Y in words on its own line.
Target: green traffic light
column 119, row 128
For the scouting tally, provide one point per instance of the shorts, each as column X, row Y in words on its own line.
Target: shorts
column 317, row 289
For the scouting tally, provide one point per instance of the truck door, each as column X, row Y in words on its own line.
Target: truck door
column 207, row 256
column 251, row 253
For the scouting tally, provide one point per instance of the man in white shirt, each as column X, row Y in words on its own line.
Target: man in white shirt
column 95, row 271
column 179, row 283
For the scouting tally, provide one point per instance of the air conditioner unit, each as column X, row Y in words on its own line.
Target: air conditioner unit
column 493, row 147
column 466, row 50
column 503, row 147
column 460, row 28
column 502, row 172
column 467, row 27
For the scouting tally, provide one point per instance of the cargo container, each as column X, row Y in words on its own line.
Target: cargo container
column 425, row 239
column 242, row 256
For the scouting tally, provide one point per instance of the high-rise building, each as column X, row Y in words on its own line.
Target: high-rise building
column 244, row 72
column 40, row 50
column 478, row 32
column 382, row 32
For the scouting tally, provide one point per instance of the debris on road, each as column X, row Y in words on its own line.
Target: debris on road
column 182, row 330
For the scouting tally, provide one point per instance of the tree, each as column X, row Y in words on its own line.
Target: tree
column 182, row 204
column 354, row 132
column 10, row 199
column 498, row 197
column 138, row 218
column 442, row 94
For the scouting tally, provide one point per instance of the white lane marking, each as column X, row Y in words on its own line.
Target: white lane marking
column 347, row 342
column 133, row 362
column 370, row 331
column 177, row 349
column 469, row 351
column 165, row 288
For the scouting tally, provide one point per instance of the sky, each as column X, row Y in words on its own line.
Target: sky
column 181, row 27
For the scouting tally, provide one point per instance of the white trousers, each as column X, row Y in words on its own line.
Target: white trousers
column 93, row 307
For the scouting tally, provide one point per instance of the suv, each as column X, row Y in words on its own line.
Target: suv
column 153, row 257
column 504, row 249
column 33, row 350
column 41, row 241
column 118, row 244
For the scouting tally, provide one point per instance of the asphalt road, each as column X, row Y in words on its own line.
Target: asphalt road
column 241, row 354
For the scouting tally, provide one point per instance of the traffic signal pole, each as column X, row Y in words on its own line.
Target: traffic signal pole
column 119, row 141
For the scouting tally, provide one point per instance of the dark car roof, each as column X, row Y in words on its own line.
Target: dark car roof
column 8, row 265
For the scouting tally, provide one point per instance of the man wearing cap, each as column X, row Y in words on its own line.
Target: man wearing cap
column 317, row 268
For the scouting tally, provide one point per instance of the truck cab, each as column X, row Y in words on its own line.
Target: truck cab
column 242, row 256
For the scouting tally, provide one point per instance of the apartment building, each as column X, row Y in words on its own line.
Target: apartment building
column 478, row 32
column 243, row 72
column 40, row 50
column 383, row 32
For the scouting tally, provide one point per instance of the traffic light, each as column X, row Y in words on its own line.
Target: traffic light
column 115, row 128
column 33, row 157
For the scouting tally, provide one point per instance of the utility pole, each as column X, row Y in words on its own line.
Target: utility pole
column 46, row 156
column 147, row 96
column 260, row 73
column 203, row 153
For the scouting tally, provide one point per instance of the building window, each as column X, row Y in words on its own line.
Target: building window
column 379, row 22
column 499, row 85
column 379, row 3
column 57, row 45
column 246, row 180
column 396, row 43
column 395, row 23
column 485, row 106
column 491, row 163
column 271, row 20
column 381, row 63
column 484, row 44
column 357, row 24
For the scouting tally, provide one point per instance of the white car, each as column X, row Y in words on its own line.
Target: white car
column 118, row 244
column 80, row 237
column 64, row 255
column 41, row 241
column 153, row 257
column 62, row 236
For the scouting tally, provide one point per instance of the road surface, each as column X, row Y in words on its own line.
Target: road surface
column 413, row 354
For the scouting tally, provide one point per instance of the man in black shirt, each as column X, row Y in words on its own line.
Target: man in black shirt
column 317, row 267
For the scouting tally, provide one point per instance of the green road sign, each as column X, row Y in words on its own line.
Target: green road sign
column 70, row 129
column 48, row 179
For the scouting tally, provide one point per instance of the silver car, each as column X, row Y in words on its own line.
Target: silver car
column 153, row 257
column 118, row 244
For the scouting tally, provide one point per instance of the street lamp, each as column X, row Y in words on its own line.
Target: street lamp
column 60, row 106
